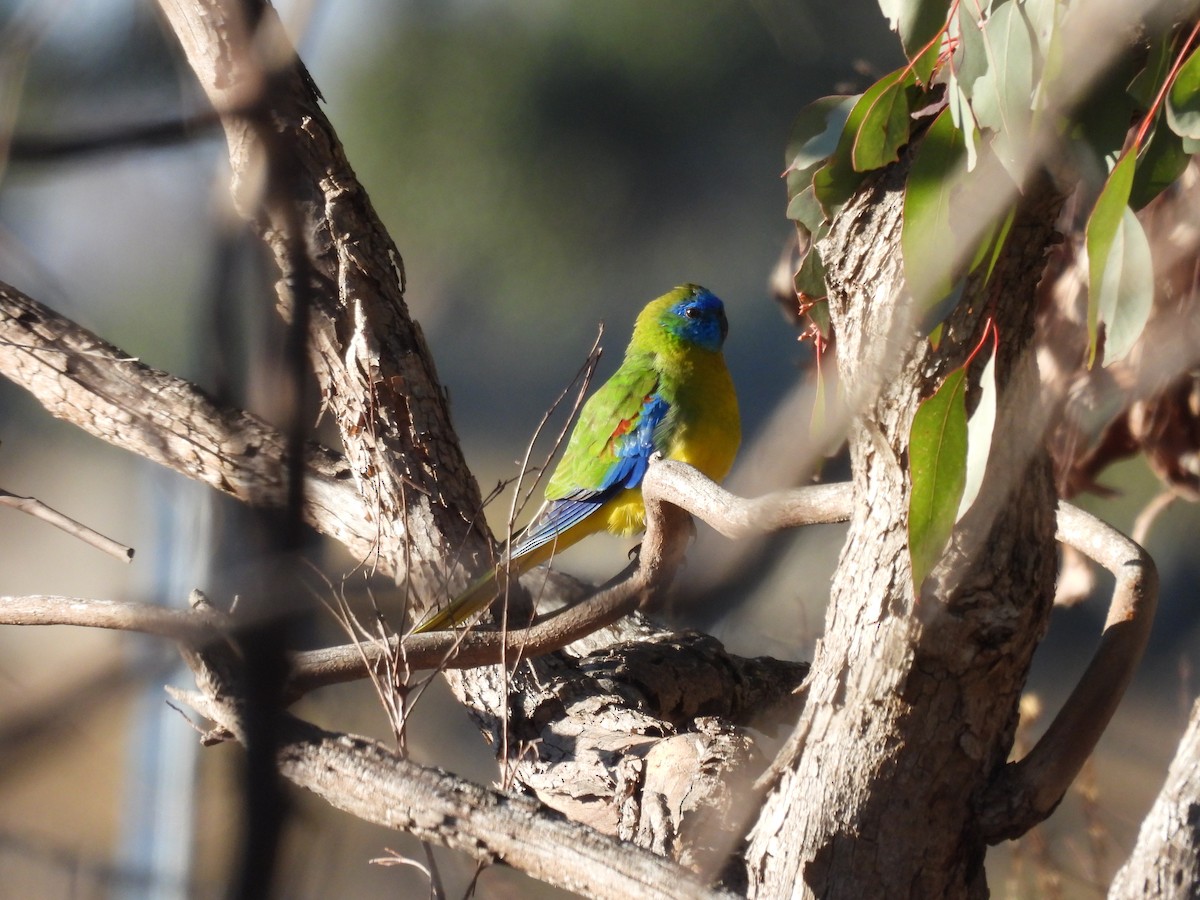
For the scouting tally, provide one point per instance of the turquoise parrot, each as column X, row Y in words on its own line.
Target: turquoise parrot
column 671, row 395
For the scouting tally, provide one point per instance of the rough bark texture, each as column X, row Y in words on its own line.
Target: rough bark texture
column 375, row 372
column 912, row 705
column 82, row 379
column 1165, row 863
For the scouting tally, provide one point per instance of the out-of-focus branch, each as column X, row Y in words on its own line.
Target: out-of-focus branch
column 1028, row 790
column 39, row 510
column 373, row 368
column 133, row 136
column 84, row 380
column 193, row 627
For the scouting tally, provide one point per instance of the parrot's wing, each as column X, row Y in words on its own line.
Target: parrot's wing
column 609, row 451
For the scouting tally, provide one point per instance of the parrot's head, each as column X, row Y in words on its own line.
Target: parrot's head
column 689, row 316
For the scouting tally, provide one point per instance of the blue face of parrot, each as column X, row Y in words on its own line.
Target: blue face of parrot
column 699, row 319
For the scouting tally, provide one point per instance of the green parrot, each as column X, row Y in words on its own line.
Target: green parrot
column 671, row 395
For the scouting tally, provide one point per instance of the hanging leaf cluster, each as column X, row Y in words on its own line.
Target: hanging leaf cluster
column 987, row 87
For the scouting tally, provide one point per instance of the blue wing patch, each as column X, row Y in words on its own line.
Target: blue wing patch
column 632, row 449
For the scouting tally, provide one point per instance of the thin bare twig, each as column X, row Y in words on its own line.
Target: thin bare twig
column 39, row 510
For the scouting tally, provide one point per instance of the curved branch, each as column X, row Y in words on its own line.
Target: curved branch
column 1026, row 791
column 676, row 483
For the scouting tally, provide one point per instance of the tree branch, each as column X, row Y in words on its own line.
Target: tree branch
column 373, row 368
column 39, row 510
column 1027, row 791
column 82, row 379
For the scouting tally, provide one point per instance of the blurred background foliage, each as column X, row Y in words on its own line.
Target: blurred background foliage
column 543, row 166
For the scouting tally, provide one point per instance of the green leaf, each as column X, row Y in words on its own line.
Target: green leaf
column 918, row 23
column 884, row 130
column 809, row 280
column 1145, row 84
column 1183, row 100
column 1102, row 226
column 970, row 58
column 963, row 117
column 979, row 437
column 1159, row 164
column 837, row 179
column 1127, row 288
column 937, row 461
column 804, row 209
column 927, row 240
column 1002, row 97
column 814, row 137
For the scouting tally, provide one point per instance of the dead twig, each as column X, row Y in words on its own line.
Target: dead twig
column 39, row 510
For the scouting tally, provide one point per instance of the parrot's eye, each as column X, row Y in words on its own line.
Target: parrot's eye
column 692, row 312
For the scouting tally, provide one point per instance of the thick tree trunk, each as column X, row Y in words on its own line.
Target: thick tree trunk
column 912, row 703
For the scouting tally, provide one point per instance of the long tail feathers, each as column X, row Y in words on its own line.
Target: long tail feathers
column 475, row 599
column 556, row 527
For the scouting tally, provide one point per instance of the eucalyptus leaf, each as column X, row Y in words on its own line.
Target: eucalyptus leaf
column 970, row 59
column 1159, row 165
column 963, row 117
column 1106, row 218
column 927, row 240
column 979, row 437
column 804, row 209
column 1183, row 100
column 937, row 461
column 837, row 179
column 1127, row 288
column 1002, row 97
column 809, row 280
column 1146, row 83
column 884, row 130
column 918, row 23
column 816, row 129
